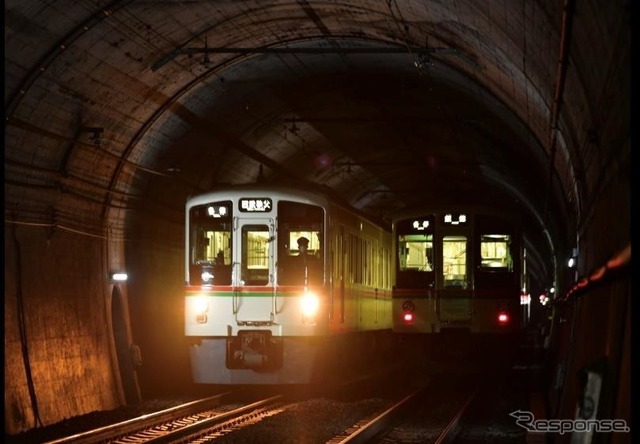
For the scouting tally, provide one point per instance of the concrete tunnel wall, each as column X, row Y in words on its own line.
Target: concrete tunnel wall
column 58, row 359
column 591, row 330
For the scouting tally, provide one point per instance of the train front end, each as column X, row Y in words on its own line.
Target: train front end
column 255, row 306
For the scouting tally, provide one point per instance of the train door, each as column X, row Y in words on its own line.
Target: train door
column 454, row 278
column 254, row 271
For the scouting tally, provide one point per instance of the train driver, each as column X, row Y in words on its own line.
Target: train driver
column 306, row 261
column 303, row 247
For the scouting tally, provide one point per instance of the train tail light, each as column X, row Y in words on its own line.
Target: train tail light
column 503, row 318
column 408, row 308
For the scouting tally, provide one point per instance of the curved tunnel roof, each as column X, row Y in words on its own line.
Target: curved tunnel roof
column 387, row 104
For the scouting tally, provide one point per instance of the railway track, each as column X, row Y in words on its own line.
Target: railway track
column 208, row 419
column 404, row 422
column 178, row 423
column 440, row 408
column 449, row 409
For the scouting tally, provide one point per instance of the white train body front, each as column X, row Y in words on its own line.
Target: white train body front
column 258, row 313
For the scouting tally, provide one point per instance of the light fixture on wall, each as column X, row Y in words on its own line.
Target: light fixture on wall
column 119, row 276
column 573, row 260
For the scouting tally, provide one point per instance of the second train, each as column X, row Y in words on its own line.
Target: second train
column 459, row 276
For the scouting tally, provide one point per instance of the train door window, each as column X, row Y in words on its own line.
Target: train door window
column 454, row 262
column 495, row 252
column 256, row 244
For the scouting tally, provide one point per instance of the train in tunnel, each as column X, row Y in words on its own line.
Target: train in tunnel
column 283, row 286
column 460, row 279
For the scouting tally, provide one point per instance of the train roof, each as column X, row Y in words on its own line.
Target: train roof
column 315, row 196
column 473, row 209
column 252, row 190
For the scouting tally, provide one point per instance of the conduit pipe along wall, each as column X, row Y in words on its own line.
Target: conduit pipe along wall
column 561, row 74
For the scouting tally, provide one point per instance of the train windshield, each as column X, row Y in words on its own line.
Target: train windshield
column 415, row 252
column 415, row 244
column 300, row 244
column 210, row 244
column 495, row 252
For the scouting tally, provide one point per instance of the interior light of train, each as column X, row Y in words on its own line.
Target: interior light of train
column 309, row 305
column 256, row 205
column 503, row 318
column 420, row 225
column 217, row 211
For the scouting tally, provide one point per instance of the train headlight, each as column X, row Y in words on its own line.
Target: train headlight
column 200, row 307
column 309, row 305
column 206, row 277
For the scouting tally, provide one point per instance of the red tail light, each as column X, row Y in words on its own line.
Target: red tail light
column 503, row 318
column 408, row 308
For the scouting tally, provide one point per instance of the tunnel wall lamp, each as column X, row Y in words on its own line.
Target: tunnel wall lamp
column 573, row 260
column 119, row 276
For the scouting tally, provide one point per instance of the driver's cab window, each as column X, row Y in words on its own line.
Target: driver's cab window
column 210, row 244
column 415, row 252
column 304, row 242
column 300, row 244
column 495, row 252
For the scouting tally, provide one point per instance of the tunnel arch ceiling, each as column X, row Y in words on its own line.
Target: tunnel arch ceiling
column 384, row 136
column 173, row 103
